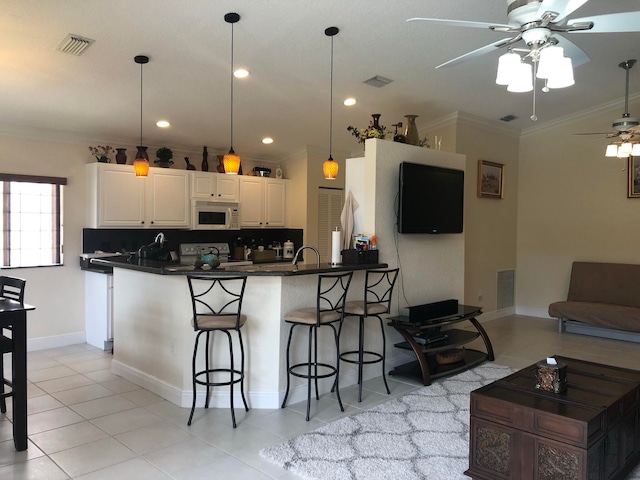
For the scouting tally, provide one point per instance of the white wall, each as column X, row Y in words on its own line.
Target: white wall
column 572, row 206
column 432, row 266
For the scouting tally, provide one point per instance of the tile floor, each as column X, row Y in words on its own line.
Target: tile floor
column 86, row 423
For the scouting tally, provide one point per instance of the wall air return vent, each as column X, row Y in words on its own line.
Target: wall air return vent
column 378, row 81
column 74, row 45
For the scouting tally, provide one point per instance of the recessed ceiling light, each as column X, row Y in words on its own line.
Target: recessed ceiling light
column 267, row 140
column 350, row 101
column 163, row 124
column 241, row 73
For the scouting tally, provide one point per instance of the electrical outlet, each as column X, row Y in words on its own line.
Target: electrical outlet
column 480, row 296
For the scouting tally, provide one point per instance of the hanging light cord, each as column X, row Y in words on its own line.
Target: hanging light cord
column 231, row 139
column 331, row 105
column 141, row 103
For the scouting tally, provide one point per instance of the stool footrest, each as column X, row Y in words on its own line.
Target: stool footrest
column 378, row 357
column 235, row 380
column 332, row 370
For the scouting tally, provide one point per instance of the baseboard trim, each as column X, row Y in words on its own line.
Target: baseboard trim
column 44, row 343
column 494, row 315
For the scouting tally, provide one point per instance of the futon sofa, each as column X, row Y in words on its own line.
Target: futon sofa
column 603, row 300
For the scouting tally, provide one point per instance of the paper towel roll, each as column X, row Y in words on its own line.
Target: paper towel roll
column 335, row 247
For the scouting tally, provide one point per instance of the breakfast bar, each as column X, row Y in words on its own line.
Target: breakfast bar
column 153, row 339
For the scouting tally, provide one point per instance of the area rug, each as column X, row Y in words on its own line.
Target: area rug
column 422, row 435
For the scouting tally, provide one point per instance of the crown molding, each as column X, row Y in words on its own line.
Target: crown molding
column 464, row 118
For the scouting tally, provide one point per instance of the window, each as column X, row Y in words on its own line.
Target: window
column 31, row 227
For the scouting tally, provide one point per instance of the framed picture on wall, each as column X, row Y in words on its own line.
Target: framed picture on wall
column 633, row 168
column 490, row 179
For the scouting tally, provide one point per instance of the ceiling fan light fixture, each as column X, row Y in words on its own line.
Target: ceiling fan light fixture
column 507, row 65
column 562, row 76
column 612, row 150
column 625, row 150
column 550, row 60
column 522, row 81
column 635, row 151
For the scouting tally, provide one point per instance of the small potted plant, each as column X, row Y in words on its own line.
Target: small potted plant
column 164, row 155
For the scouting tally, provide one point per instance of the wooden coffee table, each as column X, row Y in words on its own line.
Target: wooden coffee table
column 590, row 432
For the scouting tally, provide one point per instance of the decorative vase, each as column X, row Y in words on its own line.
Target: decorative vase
column 411, row 132
column 103, row 159
column 205, row 160
column 220, row 167
column 121, row 157
column 376, row 123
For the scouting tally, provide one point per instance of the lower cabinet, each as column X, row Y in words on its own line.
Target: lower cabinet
column 262, row 202
column 116, row 198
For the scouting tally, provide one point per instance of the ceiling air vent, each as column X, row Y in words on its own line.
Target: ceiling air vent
column 508, row 118
column 378, row 81
column 74, row 45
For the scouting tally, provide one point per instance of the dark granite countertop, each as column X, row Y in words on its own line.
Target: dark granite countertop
column 263, row 269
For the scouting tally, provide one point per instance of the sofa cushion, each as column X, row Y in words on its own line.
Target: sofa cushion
column 613, row 283
column 621, row 317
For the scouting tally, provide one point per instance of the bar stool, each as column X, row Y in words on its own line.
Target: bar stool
column 378, row 290
column 330, row 300
column 13, row 289
column 217, row 304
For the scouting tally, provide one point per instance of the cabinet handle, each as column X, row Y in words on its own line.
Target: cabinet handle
column 213, row 194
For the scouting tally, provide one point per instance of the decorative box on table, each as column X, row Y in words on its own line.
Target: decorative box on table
column 353, row 256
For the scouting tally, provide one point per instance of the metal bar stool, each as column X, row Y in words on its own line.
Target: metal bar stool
column 378, row 290
column 330, row 300
column 13, row 289
column 217, row 306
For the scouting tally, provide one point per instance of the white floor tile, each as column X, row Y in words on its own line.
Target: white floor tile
column 92, row 456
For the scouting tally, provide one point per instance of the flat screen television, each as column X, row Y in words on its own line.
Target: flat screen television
column 431, row 199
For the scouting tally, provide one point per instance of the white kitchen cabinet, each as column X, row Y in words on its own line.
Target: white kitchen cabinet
column 262, row 202
column 214, row 186
column 116, row 198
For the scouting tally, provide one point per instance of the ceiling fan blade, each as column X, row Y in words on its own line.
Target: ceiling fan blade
column 480, row 51
column 575, row 53
column 462, row 23
column 610, row 23
column 562, row 8
column 594, row 133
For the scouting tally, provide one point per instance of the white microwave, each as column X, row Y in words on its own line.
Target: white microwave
column 214, row 215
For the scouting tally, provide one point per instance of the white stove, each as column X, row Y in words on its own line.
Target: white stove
column 189, row 253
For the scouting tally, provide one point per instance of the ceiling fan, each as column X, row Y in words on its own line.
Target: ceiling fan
column 538, row 23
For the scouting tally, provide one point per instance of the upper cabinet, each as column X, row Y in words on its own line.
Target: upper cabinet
column 262, row 202
column 116, row 198
column 216, row 187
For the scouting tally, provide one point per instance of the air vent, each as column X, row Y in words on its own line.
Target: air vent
column 506, row 289
column 508, row 118
column 378, row 81
column 74, row 45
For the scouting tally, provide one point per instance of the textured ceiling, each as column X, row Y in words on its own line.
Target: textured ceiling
column 96, row 97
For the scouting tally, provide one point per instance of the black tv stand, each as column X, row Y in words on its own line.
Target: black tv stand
column 425, row 368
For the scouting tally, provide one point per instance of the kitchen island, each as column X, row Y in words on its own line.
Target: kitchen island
column 153, row 338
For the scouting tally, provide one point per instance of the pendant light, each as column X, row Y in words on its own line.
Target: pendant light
column 231, row 161
column 330, row 166
column 141, row 162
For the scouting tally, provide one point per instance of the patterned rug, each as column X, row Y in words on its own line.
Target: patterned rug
column 422, row 435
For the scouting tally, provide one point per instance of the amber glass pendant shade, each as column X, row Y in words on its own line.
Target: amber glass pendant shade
column 141, row 162
column 231, row 163
column 330, row 169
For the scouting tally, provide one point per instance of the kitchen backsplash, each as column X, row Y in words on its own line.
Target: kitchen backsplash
column 130, row 240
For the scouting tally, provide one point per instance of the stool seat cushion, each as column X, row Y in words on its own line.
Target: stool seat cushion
column 309, row 316
column 228, row 322
column 356, row 307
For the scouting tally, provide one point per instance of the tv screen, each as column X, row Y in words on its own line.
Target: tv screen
column 431, row 199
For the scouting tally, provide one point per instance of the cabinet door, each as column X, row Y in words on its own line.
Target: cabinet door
column 274, row 203
column 121, row 196
column 203, row 185
column 251, row 201
column 227, row 187
column 167, row 198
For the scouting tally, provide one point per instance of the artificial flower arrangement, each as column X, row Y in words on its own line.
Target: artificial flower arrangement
column 102, row 152
column 372, row 131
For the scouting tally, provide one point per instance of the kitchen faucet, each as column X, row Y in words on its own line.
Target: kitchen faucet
column 295, row 258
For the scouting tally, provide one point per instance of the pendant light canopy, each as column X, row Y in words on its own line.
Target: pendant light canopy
column 231, row 161
column 330, row 166
column 141, row 162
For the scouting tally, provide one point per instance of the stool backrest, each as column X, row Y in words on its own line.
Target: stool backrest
column 216, row 296
column 332, row 292
column 12, row 288
column 378, row 288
